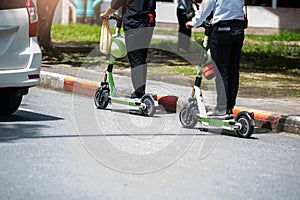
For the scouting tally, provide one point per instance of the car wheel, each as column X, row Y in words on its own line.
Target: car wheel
column 9, row 103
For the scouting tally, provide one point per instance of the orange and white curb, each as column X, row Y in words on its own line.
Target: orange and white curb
column 263, row 119
column 68, row 83
column 80, row 86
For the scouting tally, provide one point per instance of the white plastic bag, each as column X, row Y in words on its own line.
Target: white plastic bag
column 105, row 37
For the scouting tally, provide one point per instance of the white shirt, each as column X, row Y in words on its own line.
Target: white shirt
column 222, row 10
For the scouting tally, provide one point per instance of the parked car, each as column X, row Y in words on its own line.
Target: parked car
column 20, row 54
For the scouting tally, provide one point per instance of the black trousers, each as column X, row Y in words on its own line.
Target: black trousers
column 184, row 34
column 226, row 44
column 137, row 44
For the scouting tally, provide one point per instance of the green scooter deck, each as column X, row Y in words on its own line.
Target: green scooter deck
column 228, row 124
column 132, row 103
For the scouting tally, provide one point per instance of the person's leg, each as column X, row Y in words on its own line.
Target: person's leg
column 184, row 33
column 220, row 47
column 137, row 43
column 138, row 70
column 236, row 51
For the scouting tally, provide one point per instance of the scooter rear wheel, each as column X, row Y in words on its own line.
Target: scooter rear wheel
column 100, row 98
column 246, row 129
column 150, row 106
column 191, row 120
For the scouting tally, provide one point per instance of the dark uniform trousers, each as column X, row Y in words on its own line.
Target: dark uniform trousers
column 137, row 44
column 184, row 33
column 226, row 44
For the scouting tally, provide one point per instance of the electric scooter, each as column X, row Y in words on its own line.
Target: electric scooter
column 195, row 111
column 106, row 93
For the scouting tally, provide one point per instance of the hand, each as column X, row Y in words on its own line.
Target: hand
column 107, row 13
column 189, row 25
column 197, row 3
column 104, row 16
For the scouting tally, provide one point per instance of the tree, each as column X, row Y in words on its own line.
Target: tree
column 46, row 10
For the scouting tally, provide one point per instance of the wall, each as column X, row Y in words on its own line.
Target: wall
column 266, row 17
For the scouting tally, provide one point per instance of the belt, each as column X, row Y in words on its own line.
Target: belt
column 234, row 22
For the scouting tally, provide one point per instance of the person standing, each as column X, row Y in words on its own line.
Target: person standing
column 225, row 43
column 184, row 12
column 138, row 23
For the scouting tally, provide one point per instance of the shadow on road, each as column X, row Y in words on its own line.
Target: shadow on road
column 27, row 116
column 20, row 126
column 210, row 133
column 138, row 112
column 233, row 133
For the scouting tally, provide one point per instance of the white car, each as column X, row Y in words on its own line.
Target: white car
column 20, row 54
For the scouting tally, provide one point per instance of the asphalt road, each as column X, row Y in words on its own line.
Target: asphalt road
column 58, row 146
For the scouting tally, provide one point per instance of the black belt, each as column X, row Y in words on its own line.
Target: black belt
column 234, row 22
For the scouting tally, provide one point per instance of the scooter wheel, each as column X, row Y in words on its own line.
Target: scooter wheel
column 101, row 98
column 188, row 120
column 150, row 106
column 246, row 129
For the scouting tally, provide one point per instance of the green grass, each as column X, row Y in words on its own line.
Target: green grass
column 75, row 33
column 165, row 32
column 286, row 36
column 185, row 71
column 270, row 48
column 86, row 33
column 270, row 53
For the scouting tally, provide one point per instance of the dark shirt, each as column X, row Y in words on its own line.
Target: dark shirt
column 135, row 12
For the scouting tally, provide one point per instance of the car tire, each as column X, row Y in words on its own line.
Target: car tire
column 9, row 103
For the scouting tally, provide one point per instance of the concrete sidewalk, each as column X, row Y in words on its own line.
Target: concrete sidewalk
column 275, row 114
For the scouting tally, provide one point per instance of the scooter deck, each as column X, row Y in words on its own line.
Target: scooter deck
column 229, row 124
column 221, row 117
column 126, row 101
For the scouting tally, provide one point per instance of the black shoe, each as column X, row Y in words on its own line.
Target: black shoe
column 229, row 113
column 137, row 95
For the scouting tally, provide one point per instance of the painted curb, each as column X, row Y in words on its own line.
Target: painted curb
column 80, row 86
column 52, row 80
column 263, row 119
column 273, row 121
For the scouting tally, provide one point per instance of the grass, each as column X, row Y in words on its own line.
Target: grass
column 283, row 36
column 270, row 44
column 269, row 63
column 75, row 33
column 185, row 71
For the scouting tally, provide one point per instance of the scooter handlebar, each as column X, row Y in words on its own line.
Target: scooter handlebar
column 206, row 24
column 117, row 18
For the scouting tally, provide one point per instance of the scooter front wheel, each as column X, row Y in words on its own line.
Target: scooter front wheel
column 247, row 127
column 101, row 98
column 150, row 106
column 188, row 116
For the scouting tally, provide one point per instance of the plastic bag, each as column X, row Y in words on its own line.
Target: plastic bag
column 105, row 37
